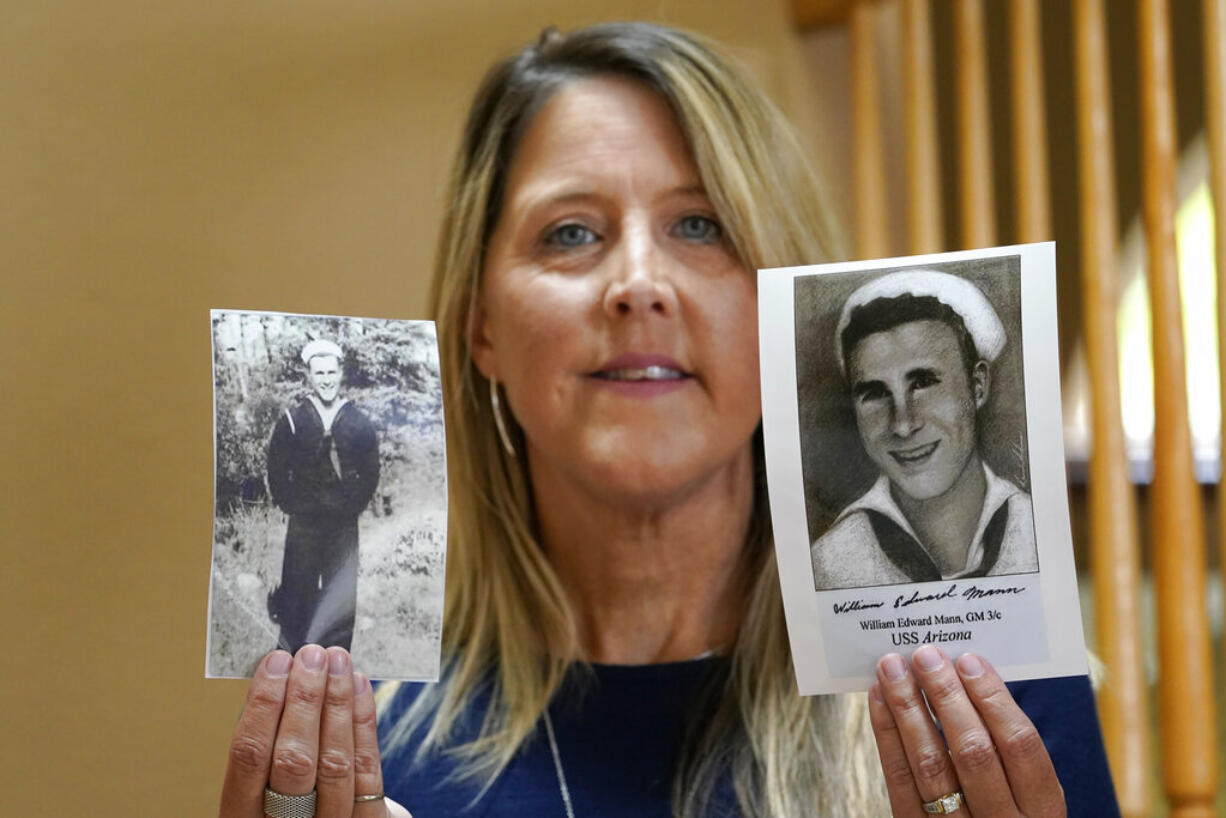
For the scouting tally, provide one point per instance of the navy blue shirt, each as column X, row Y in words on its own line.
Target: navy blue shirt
column 619, row 740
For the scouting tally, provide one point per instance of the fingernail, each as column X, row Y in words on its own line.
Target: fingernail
column 312, row 657
column 278, row 664
column 874, row 693
column 893, row 667
column 338, row 662
column 970, row 666
column 360, row 682
column 928, row 658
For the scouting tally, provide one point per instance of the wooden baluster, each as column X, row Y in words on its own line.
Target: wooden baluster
column 1115, row 559
column 869, row 154
column 1185, row 697
column 816, row 13
column 925, row 225
column 1029, row 123
column 974, row 128
column 1215, row 126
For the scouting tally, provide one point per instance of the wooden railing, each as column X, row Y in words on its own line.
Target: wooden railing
column 1186, row 714
column 1115, row 557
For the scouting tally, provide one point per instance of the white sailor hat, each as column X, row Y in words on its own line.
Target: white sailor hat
column 955, row 292
column 320, row 347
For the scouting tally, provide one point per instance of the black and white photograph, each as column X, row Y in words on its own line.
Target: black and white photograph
column 911, row 414
column 330, row 507
column 910, row 379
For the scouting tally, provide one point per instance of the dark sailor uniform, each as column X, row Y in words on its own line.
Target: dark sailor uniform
column 322, row 478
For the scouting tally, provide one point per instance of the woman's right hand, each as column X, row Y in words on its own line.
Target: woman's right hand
column 308, row 724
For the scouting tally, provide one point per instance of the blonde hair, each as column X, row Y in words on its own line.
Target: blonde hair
column 508, row 626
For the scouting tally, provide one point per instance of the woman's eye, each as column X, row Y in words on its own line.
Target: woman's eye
column 570, row 235
column 698, row 228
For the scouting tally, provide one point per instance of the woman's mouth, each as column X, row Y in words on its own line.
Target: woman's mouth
column 916, row 455
column 642, row 376
column 643, row 373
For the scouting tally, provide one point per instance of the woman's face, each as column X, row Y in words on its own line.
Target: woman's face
column 613, row 309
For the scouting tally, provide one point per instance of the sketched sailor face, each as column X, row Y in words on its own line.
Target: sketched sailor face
column 915, row 404
column 324, row 372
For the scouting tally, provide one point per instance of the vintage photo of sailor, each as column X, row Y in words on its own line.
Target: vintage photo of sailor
column 932, row 481
column 323, row 469
column 329, row 517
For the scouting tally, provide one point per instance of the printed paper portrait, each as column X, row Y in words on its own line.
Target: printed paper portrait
column 913, row 435
column 914, row 457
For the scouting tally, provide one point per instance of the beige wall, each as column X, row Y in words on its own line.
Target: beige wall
column 158, row 159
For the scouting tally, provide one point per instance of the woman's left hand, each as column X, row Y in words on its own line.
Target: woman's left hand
column 991, row 753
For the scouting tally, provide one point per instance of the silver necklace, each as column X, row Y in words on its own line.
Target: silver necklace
column 557, row 766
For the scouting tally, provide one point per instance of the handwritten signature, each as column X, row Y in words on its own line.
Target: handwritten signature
column 915, row 598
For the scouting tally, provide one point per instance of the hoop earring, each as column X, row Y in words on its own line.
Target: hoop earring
column 496, row 405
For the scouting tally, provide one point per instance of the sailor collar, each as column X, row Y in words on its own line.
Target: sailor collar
column 327, row 416
column 877, row 503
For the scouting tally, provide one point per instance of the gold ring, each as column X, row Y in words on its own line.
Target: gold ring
column 358, row 799
column 951, row 802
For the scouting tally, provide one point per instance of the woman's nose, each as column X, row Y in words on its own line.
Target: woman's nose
column 639, row 282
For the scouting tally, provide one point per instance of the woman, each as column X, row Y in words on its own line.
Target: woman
column 614, row 641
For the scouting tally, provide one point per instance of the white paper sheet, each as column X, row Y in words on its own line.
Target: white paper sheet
column 1026, row 622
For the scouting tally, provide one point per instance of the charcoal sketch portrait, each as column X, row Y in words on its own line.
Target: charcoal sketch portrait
column 330, row 498
column 913, row 424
